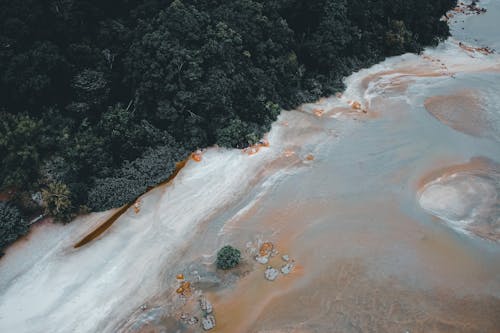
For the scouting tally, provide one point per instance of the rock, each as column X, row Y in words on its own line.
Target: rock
column 286, row 269
column 264, row 142
column 318, row 112
column 137, row 206
column 262, row 259
column 271, row 273
column 37, row 198
column 208, row 322
column 205, row 305
column 187, row 319
column 184, row 288
column 286, row 257
column 197, row 156
column 356, row 105
column 266, row 249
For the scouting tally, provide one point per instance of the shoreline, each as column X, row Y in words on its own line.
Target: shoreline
column 192, row 219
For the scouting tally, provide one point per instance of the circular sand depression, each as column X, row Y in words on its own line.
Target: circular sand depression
column 467, row 200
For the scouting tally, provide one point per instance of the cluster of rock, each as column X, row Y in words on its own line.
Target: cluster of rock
column 184, row 286
column 188, row 320
column 208, row 320
column 272, row 273
column 207, row 315
column 264, row 254
column 467, row 9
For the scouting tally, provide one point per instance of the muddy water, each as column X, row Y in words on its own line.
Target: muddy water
column 389, row 216
column 372, row 255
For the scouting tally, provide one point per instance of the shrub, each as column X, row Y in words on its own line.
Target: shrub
column 133, row 179
column 57, row 202
column 12, row 225
column 228, row 257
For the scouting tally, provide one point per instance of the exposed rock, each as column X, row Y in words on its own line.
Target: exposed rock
column 356, row 105
column 37, row 198
column 205, row 305
column 262, row 259
column 184, row 288
column 318, row 112
column 286, row 269
column 271, row 273
column 266, row 249
column 137, row 206
column 197, row 156
column 264, row 142
column 189, row 320
column 208, row 322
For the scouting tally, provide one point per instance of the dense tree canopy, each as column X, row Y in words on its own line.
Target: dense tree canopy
column 103, row 97
column 12, row 225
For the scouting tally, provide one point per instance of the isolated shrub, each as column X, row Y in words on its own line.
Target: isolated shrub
column 228, row 257
column 12, row 225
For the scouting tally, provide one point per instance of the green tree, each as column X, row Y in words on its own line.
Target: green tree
column 93, row 91
column 57, row 202
column 12, row 225
column 228, row 257
column 22, row 145
column 134, row 178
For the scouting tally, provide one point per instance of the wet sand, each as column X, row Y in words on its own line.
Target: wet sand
column 346, row 299
column 461, row 111
column 467, row 196
column 338, row 189
column 358, row 274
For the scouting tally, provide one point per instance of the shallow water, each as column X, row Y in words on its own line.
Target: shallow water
column 338, row 190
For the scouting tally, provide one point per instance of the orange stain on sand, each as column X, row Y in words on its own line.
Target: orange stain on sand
column 254, row 149
column 196, row 156
column 318, row 112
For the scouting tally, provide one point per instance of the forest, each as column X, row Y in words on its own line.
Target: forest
column 100, row 99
